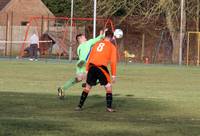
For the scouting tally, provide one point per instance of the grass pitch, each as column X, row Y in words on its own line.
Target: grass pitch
column 151, row 100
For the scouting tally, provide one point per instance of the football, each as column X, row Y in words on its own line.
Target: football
column 118, row 33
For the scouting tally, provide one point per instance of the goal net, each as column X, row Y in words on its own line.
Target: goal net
column 57, row 30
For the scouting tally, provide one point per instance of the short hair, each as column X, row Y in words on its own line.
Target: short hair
column 77, row 37
column 109, row 34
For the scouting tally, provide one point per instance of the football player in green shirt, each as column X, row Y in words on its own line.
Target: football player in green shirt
column 83, row 51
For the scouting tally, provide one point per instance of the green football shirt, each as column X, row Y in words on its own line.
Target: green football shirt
column 84, row 48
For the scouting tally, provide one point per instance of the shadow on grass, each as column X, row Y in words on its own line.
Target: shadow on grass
column 40, row 114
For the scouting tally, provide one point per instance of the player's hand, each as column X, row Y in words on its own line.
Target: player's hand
column 105, row 30
column 113, row 79
column 101, row 32
column 81, row 63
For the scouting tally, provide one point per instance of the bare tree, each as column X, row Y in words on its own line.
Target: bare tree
column 148, row 9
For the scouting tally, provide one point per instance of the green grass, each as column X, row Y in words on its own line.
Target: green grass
column 151, row 100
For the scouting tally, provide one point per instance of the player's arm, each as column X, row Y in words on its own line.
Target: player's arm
column 80, row 62
column 89, row 60
column 91, row 42
column 87, row 65
column 113, row 63
column 78, row 51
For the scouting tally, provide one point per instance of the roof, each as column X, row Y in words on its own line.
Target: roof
column 7, row 5
column 3, row 3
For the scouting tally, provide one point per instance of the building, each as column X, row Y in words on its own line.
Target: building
column 18, row 12
column 14, row 17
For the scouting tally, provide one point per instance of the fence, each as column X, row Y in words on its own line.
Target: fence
column 156, row 47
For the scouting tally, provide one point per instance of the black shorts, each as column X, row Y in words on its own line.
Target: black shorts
column 99, row 73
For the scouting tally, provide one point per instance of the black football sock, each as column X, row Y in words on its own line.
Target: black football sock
column 109, row 100
column 83, row 85
column 82, row 99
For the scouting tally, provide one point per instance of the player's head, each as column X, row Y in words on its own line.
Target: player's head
column 109, row 35
column 80, row 38
column 34, row 32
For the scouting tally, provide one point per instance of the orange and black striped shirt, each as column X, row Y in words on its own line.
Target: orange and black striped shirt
column 103, row 53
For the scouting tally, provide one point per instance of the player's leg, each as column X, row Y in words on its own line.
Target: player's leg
column 80, row 75
column 90, row 81
column 109, row 98
column 83, row 97
column 34, row 51
column 68, row 84
column 104, row 79
column 31, row 52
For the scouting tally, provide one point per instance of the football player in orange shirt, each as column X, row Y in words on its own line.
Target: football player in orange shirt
column 102, row 54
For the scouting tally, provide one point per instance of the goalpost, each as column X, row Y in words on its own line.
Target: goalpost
column 56, row 29
column 193, row 36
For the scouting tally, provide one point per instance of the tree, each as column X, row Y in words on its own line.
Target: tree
column 146, row 10
column 169, row 9
column 63, row 7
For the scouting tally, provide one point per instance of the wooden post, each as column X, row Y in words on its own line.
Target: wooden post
column 197, row 13
column 198, row 31
column 188, row 45
column 6, row 45
column 198, row 55
column 11, row 33
column 143, row 45
column 42, row 25
column 48, row 24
